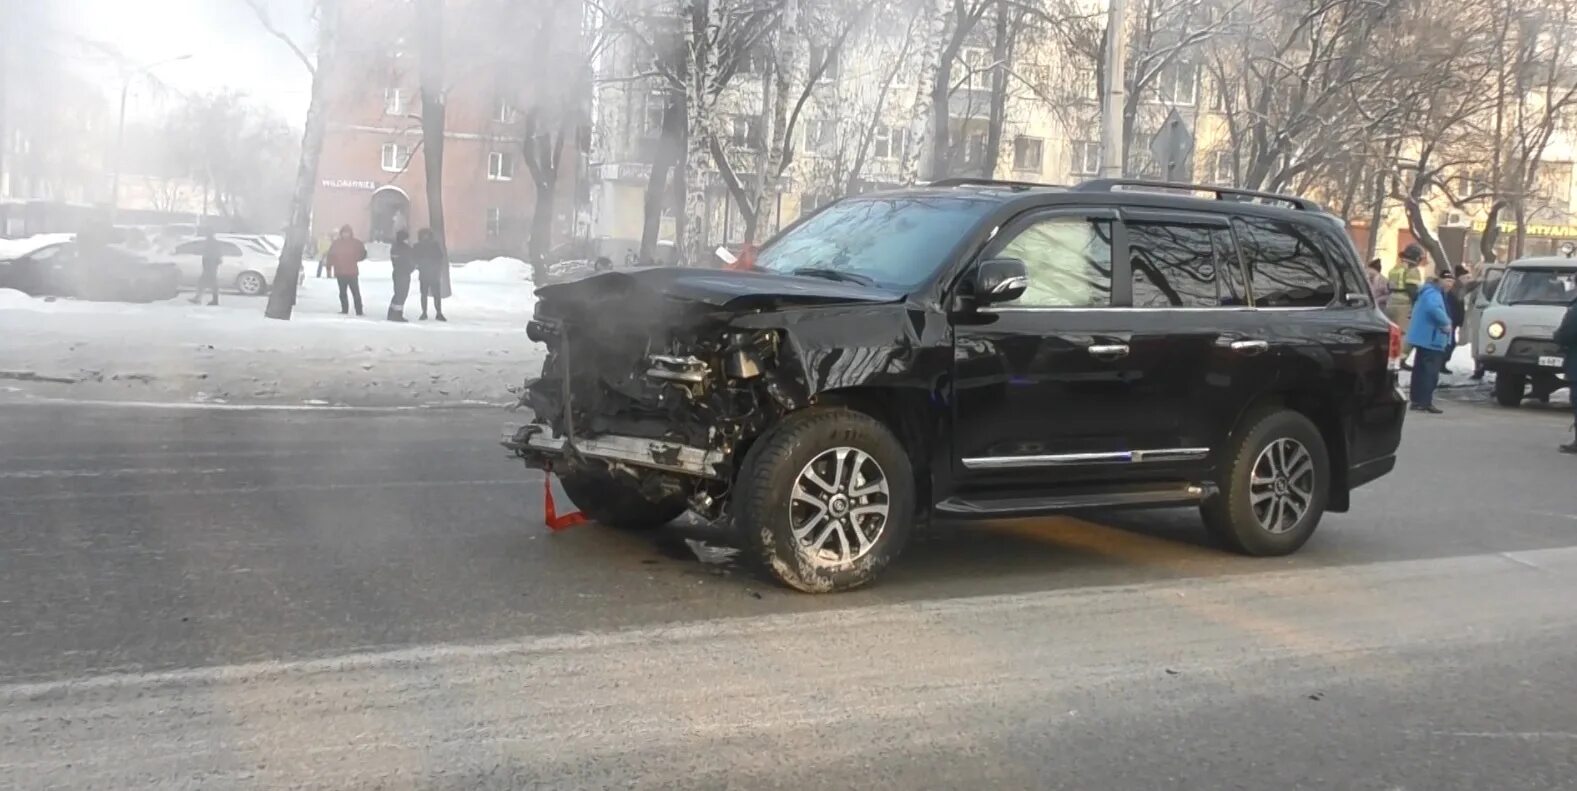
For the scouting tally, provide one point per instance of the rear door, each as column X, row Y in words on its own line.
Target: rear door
column 1194, row 339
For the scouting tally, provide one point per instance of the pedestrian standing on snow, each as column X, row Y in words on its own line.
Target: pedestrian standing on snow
column 1566, row 339
column 430, row 267
column 1407, row 278
column 1379, row 287
column 403, row 259
column 344, row 257
column 323, row 258
column 1456, row 308
column 1430, row 334
column 213, row 255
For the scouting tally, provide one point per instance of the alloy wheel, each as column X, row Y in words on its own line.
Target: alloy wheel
column 839, row 506
column 1281, row 486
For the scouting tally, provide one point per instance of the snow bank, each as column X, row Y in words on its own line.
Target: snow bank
column 178, row 351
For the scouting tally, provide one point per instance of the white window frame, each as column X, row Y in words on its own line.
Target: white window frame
column 890, row 142
column 393, row 100
column 500, row 166
column 824, row 143
column 504, row 112
column 394, row 157
column 1219, row 168
column 1040, row 153
column 1086, row 159
column 978, row 61
column 1171, row 81
column 834, row 66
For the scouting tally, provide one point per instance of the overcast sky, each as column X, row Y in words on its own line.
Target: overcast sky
column 228, row 48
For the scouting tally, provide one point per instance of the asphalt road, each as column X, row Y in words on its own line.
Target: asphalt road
column 214, row 598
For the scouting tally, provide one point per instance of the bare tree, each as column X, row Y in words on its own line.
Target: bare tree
column 282, row 297
column 429, row 36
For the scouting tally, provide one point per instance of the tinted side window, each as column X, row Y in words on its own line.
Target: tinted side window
column 1234, row 287
column 190, row 248
column 1069, row 261
column 228, row 250
column 1174, row 266
column 1285, row 269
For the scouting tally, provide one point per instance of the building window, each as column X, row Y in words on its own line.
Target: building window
column 395, row 157
column 1179, row 84
column 495, row 223
column 1086, row 158
column 1220, row 168
column 744, row 131
column 821, row 136
column 504, row 112
column 393, row 101
column 500, row 166
column 1028, row 153
column 834, row 67
column 890, row 142
column 979, row 64
column 1087, row 84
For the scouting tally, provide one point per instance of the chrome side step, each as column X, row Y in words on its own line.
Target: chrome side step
column 1149, row 497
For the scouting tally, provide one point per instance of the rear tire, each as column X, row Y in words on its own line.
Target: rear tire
column 251, row 284
column 1276, row 482
column 825, row 500
column 1509, row 389
column 608, row 501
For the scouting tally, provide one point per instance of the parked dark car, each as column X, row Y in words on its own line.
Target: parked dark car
column 977, row 349
column 101, row 273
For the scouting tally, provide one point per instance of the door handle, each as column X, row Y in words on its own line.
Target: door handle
column 1110, row 351
column 1250, row 347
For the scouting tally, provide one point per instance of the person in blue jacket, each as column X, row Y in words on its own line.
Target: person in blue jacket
column 1566, row 338
column 1429, row 333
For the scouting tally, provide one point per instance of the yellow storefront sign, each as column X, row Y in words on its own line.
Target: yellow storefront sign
column 1542, row 231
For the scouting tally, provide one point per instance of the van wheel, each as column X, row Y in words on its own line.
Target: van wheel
column 1276, row 481
column 1509, row 389
column 610, row 502
column 251, row 283
column 825, row 501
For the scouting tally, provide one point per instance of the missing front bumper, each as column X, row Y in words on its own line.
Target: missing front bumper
column 536, row 443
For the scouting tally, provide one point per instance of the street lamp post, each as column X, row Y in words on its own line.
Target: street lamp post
column 120, row 133
column 1112, row 164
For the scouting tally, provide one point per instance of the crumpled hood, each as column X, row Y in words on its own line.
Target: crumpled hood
column 724, row 289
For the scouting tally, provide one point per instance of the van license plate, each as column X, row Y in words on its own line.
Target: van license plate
column 1552, row 362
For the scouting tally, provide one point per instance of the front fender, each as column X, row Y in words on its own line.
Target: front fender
column 855, row 346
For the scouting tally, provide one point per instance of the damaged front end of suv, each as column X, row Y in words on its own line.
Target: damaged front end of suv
column 657, row 381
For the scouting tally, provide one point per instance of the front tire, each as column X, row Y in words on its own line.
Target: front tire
column 825, row 501
column 1509, row 389
column 1275, row 486
column 613, row 503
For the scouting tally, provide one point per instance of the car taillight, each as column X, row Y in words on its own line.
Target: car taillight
column 1395, row 356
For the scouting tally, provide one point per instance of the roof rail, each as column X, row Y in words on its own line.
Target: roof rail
column 1221, row 193
column 975, row 181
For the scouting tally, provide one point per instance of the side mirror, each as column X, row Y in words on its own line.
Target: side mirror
column 999, row 280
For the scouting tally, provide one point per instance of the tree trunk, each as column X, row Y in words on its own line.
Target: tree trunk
column 1376, row 214
column 663, row 160
column 430, row 32
column 1001, row 52
column 705, row 27
column 282, row 297
column 1491, row 236
column 919, row 141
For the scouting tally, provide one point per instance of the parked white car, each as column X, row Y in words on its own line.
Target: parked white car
column 249, row 264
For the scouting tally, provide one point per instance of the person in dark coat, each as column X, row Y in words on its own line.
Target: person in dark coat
column 1456, row 308
column 344, row 257
column 403, row 259
column 430, row 266
column 1566, row 338
column 213, row 255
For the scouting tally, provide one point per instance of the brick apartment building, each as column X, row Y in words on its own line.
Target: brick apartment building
column 372, row 176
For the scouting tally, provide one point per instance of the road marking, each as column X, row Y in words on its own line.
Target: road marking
column 212, row 407
column 1289, row 588
column 37, row 474
column 1518, row 735
column 305, row 487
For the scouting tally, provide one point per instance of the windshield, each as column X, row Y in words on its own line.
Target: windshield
column 1538, row 287
column 893, row 242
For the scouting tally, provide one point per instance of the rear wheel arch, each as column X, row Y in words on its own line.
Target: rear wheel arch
column 1326, row 415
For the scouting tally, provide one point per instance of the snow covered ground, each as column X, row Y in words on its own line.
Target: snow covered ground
column 177, row 351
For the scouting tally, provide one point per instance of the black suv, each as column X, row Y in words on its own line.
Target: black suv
column 976, row 349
